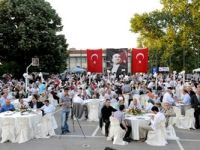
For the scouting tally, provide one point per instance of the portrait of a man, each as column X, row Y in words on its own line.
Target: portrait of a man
column 117, row 61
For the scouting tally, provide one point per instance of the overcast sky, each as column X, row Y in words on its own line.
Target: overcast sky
column 100, row 23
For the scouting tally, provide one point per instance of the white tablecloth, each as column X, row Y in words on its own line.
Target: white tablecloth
column 135, row 122
column 26, row 121
column 94, row 106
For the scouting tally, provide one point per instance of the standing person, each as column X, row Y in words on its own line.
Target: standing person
column 65, row 110
column 119, row 115
column 126, row 90
column 106, row 112
column 195, row 102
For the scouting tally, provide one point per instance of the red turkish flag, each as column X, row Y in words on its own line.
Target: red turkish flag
column 139, row 60
column 94, row 60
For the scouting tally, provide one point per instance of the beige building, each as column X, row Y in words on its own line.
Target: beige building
column 78, row 57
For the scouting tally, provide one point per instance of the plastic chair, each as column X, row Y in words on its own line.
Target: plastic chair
column 187, row 121
column 171, row 133
column 157, row 137
column 116, row 132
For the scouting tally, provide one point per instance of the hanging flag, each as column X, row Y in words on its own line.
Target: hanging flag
column 139, row 60
column 94, row 60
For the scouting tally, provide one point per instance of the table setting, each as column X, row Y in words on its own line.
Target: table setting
column 135, row 118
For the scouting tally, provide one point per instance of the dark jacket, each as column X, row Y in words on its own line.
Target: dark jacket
column 38, row 104
column 106, row 112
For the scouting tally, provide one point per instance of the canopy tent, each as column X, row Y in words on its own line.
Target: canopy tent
column 77, row 69
column 196, row 70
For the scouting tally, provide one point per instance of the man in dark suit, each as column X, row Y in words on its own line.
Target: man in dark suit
column 118, row 67
column 195, row 102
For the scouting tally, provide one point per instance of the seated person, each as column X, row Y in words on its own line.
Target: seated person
column 159, row 105
column 134, row 104
column 168, row 111
column 34, row 103
column 47, row 107
column 123, row 124
column 155, row 121
column 7, row 106
column 106, row 112
column 22, row 104
column 149, row 106
column 43, row 96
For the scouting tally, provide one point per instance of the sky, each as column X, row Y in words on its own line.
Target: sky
column 100, row 23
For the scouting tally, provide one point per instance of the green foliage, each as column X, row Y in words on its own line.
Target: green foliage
column 171, row 34
column 30, row 28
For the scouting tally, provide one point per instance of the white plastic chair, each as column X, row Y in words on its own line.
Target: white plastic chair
column 157, row 137
column 8, row 130
column 175, row 120
column 93, row 107
column 171, row 133
column 116, row 132
column 46, row 127
column 187, row 121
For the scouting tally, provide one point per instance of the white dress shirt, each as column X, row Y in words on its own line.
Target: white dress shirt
column 158, row 118
column 115, row 68
column 167, row 98
column 48, row 109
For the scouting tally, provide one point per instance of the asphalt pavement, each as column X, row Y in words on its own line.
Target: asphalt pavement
column 92, row 139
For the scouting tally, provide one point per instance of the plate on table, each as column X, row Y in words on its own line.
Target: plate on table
column 8, row 113
column 149, row 114
column 140, row 118
column 24, row 113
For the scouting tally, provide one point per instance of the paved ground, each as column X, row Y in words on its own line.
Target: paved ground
column 189, row 140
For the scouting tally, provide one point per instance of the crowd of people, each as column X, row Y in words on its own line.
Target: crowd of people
column 139, row 91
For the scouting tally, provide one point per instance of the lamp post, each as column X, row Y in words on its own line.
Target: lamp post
column 187, row 3
column 35, row 62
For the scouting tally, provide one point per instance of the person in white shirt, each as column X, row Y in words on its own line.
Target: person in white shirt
column 167, row 97
column 134, row 104
column 155, row 122
column 47, row 107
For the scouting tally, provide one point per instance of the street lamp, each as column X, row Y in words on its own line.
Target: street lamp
column 188, row 3
column 35, row 62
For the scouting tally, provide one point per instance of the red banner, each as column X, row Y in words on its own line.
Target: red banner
column 94, row 60
column 139, row 60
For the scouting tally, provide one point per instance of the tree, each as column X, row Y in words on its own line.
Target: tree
column 31, row 28
column 172, row 34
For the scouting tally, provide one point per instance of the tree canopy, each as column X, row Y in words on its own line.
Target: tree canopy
column 30, row 28
column 172, row 34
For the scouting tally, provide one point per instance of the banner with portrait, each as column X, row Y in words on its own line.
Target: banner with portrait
column 117, row 61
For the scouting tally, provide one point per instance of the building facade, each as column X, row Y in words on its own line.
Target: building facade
column 78, row 57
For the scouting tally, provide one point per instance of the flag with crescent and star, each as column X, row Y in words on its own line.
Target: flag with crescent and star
column 139, row 60
column 94, row 60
